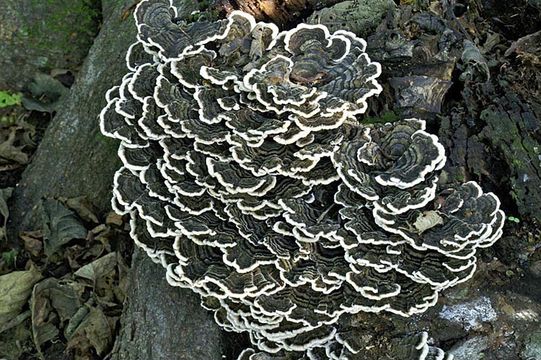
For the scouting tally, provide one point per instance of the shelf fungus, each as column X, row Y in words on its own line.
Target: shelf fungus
column 250, row 176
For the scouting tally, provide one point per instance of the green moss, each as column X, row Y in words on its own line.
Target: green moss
column 73, row 23
column 388, row 117
column 205, row 11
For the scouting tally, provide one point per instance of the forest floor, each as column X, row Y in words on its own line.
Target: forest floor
column 63, row 283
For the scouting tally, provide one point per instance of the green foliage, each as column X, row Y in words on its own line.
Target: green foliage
column 387, row 117
column 205, row 11
column 9, row 99
column 422, row 4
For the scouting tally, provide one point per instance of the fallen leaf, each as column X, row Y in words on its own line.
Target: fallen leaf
column 15, row 321
column 94, row 332
column 114, row 219
column 9, row 151
column 98, row 268
column 82, row 207
column 53, row 304
column 33, row 242
column 15, row 341
column 15, row 289
column 60, row 226
column 99, row 229
column 5, row 194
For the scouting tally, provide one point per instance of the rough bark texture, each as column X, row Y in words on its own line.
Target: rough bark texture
column 162, row 322
column 74, row 159
column 500, row 145
column 40, row 35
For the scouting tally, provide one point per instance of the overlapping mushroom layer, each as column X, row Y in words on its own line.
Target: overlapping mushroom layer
column 407, row 347
column 249, row 174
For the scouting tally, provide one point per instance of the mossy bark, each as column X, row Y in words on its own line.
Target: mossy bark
column 502, row 150
column 41, row 35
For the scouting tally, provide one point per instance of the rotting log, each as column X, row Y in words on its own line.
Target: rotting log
column 501, row 147
column 74, row 159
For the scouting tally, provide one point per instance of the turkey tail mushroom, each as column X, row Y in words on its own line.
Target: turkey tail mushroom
column 249, row 174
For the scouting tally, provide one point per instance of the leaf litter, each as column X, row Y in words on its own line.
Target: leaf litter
column 67, row 299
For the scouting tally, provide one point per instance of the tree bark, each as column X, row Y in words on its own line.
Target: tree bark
column 38, row 36
column 164, row 322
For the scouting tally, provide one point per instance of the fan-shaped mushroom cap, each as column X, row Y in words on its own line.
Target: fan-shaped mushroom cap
column 406, row 347
column 462, row 219
column 393, row 165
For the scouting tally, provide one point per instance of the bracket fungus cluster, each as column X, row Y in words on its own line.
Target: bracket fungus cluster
column 248, row 173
